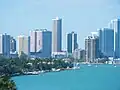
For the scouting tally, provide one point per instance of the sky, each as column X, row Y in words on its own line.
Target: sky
column 82, row 16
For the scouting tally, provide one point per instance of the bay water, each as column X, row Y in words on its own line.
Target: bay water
column 103, row 77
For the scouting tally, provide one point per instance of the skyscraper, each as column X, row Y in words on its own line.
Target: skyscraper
column 1, row 44
column 115, row 24
column 57, row 35
column 33, row 41
column 91, row 48
column 12, row 45
column 41, row 43
column 106, row 42
column 71, row 42
column 23, row 45
column 5, row 45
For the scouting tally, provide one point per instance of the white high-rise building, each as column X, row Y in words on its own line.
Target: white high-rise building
column 41, row 41
column 91, row 48
column 57, row 35
column 23, row 44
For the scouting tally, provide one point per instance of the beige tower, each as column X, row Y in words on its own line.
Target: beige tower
column 23, row 44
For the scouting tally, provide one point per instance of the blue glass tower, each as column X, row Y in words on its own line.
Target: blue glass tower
column 106, row 42
column 6, row 45
column 71, row 42
column 115, row 24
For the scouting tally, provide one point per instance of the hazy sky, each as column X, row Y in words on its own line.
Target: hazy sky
column 82, row 16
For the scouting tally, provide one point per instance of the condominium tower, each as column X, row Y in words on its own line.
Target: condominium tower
column 41, row 43
column 5, row 45
column 71, row 42
column 12, row 45
column 91, row 48
column 106, row 41
column 115, row 24
column 57, row 35
column 23, row 45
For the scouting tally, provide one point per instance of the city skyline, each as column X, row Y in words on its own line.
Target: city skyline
column 81, row 16
column 42, row 43
column 111, row 25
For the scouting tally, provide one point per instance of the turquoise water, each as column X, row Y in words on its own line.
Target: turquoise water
column 103, row 77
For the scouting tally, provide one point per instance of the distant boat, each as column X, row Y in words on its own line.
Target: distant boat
column 89, row 64
column 115, row 65
column 96, row 66
column 76, row 66
column 56, row 70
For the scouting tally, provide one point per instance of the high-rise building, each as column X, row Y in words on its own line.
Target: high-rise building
column 57, row 35
column 115, row 24
column 33, row 41
column 79, row 54
column 5, row 45
column 23, row 45
column 12, row 45
column 106, row 41
column 71, row 42
column 91, row 48
column 1, row 44
column 41, row 43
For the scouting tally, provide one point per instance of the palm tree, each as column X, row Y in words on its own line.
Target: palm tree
column 7, row 84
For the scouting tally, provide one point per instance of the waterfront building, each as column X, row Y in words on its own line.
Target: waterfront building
column 23, row 45
column 115, row 24
column 57, row 35
column 59, row 55
column 71, row 42
column 1, row 44
column 106, row 41
column 91, row 48
column 41, row 43
column 5, row 45
column 79, row 54
column 12, row 45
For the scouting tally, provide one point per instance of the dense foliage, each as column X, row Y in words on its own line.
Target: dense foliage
column 6, row 83
column 18, row 66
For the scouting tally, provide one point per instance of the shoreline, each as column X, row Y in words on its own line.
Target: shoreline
column 54, row 70
column 40, row 72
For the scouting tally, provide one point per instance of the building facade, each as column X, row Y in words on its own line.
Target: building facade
column 71, row 42
column 106, row 42
column 115, row 24
column 12, row 45
column 91, row 48
column 41, row 43
column 23, row 45
column 79, row 54
column 5, row 45
column 57, row 35
column 1, row 44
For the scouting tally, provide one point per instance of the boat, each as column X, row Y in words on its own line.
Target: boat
column 89, row 64
column 58, row 70
column 76, row 66
column 96, row 66
column 96, row 63
column 115, row 65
